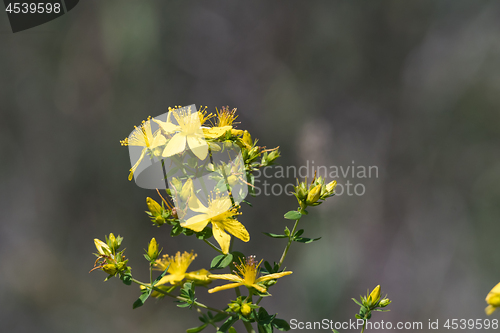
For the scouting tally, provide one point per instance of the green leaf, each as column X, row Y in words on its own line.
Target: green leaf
column 247, row 202
column 221, row 261
column 219, row 317
column 267, row 328
column 293, row 215
column 281, row 324
column 287, row 232
column 306, row 240
column 232, row 330
column 357, row 302
column 238, row 257
column 140, row 301
column 196, row 329
column 161, row 275
column 126, row 278
column 274, row 235
column 228, row 323
column 299, row 233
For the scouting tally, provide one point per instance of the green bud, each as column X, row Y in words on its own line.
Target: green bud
column 301, row 191
column 330, row 187
column 235, row 307
column 383, row 303
column 153, row 249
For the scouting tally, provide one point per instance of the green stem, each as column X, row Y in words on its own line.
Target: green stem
column 258, row 301
column 213, row 246
column 364, row 325
column 289, row 243
column 249, row 327
column 197, row 304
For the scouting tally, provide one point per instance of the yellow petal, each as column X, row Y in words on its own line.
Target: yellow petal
column 224, row 287
column 490, row 309
column 272, row 276
column 159, row 140
column 221, row 237
column 228, row 277
column 167, row 126
column 235, row 228
column 176, row 145
column 170, row 278
column 199, row 275
column 198, row 146
column 215, row 132
column 136, row 164
column 493, row 297
column 196, row 223
column 259, row 288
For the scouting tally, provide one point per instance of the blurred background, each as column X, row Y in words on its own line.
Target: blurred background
column 411, row 87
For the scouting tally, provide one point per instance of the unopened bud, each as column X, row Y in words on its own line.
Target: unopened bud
column 153, row 249
column 111, row 269
column 314, row 194
column 330, row 187
column 153, row 206
column 247, row 139
column 102, row 247
column 375, row 295
column 383, row 303
column 246, row 309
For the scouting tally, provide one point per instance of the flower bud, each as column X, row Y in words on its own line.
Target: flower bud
column 375, row 295
column 493, row 299
column 232, row 180
column 236, row 132
column 153, row 249
column 247, row 139
column 330, row 187
column 245, row 309
column 114, row 242
column 384, row 302
column 111, row 269
column 153, row 206
column 159, row 220
column 102, row 247
column 187, row 190
column 313, row 194
column 235, row 307
column 273, row 156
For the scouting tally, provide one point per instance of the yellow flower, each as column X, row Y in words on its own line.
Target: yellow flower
column 374, row 295
column 220, row 214
column 226, row 117
column 493, row 299
column 247, row 276
column 189, row 132
column 178, row 267
column 143, row 137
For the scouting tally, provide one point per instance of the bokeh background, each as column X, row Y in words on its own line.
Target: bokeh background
column 412, row 87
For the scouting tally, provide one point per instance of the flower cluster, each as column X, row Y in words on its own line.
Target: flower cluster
column 207, row 168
